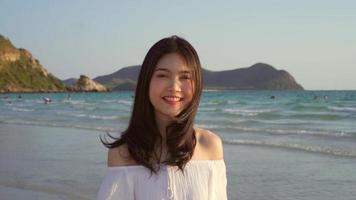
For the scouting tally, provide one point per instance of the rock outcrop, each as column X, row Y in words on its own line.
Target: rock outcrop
column 85, row 84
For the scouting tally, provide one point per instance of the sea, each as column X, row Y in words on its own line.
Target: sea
column 277, row 144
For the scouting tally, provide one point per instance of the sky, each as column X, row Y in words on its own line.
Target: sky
column 314, row 40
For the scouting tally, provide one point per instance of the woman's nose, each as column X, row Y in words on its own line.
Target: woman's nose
column 175, row 85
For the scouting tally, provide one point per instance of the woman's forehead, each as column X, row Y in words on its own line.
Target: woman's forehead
column 172, row 62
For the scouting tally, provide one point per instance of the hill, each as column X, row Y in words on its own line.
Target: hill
column 21, row 72
column 259, row 76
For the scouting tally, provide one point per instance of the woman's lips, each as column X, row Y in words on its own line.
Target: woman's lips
column 172, row 100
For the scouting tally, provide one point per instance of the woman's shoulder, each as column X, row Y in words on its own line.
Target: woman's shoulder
column 119, row 156
column 210, row 144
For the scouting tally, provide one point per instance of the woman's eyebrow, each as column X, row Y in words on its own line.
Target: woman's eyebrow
column 167, row 70
column 185, row 72
column 162, row 69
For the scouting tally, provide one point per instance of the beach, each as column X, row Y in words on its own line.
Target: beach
column 62, row 162
column 272, row 80
column 66, row 163
column 294, row 146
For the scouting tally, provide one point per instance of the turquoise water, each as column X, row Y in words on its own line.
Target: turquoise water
column 312, row 121
column 297, row 145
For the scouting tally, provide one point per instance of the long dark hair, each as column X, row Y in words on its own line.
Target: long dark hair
column 142, row 133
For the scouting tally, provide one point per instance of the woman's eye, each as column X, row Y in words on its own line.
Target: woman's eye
column 185, row 77
column 161, row 75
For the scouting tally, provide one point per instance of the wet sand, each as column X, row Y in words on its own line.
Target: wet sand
column 66, row 163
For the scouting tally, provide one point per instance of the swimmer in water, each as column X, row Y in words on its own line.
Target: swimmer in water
column 47, row 100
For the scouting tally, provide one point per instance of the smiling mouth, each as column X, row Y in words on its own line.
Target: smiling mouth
column 172, row 99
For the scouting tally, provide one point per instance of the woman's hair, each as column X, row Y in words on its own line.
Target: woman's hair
column 142, row 133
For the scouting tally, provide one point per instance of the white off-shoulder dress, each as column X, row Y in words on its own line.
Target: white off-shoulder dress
column 202, row 180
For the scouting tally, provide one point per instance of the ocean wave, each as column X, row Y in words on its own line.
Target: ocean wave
column 347, row 109
column 41, row 124
column 102, row 117
column 209, row 103
column 78, row 115
column 83, row 115
column 212, row 126
column 71, row 114
column 309, row 132
column 246, row 112
column 81, row 103
column 333, row 133
column 327, row 116
column 303, row 147
column 308, row 106
column 216, row 123
column 204, row 109
column 109, row 101
column 233, row 102
column 22, row 109
column 219, row 102
column 275, row 131
column 125, row 102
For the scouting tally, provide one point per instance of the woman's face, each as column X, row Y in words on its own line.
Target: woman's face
column 171, row 87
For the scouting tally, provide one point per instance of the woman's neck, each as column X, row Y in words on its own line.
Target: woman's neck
column 162, row 123
column 161, row 146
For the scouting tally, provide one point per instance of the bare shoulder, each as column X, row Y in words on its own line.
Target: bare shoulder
column 210, row 143
column 119, row 156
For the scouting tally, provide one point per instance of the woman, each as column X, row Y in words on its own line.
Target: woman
column 162, row 155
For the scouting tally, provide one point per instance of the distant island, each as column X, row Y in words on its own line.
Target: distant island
column 259, row 76
column 21, row 72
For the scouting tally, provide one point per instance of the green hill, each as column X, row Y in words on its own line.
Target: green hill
column 20, row 72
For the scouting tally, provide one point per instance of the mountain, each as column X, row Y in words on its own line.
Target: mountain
column 69, row 81
column 21, row 72
column 259, row 76
column 123, row 79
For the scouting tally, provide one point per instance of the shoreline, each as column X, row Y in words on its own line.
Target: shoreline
column 58, row 126
column 320, row 152
column 67, row 163
column 10, row 193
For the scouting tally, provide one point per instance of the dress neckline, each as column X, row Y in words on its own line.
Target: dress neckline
column 162, row 164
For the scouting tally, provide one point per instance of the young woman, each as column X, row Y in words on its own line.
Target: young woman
column 162, row 155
